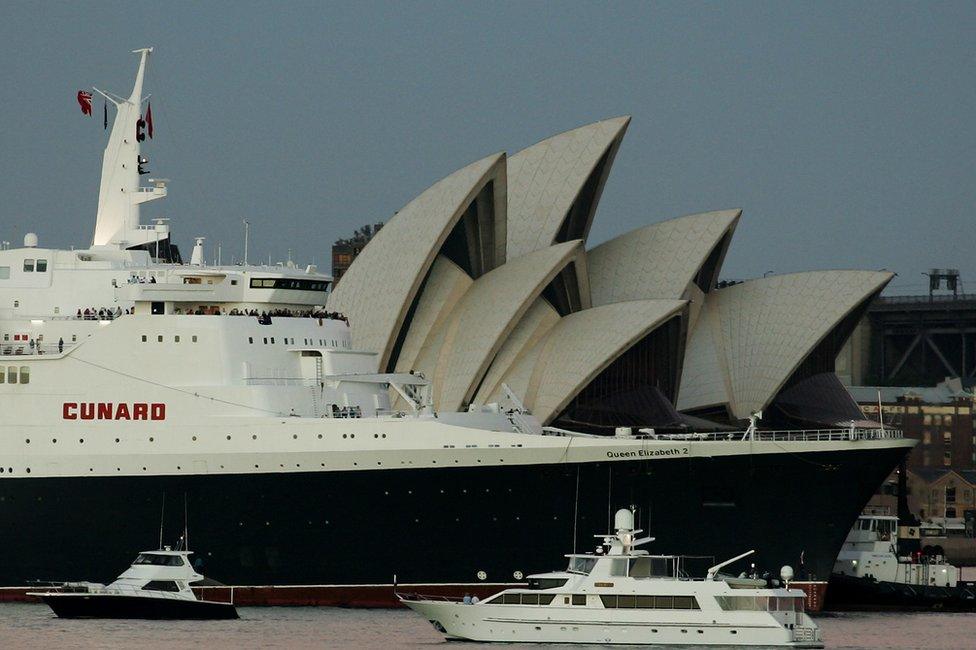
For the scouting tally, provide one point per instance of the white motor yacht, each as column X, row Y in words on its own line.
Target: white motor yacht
column 621, row 595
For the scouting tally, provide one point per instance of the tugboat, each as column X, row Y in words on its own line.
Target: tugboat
column 156, row 586
column 620, row 595
column 882, row 567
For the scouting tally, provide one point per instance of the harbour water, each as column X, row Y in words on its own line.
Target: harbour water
column 33, row 626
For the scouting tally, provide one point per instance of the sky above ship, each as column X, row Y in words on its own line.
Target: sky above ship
column 845, row 131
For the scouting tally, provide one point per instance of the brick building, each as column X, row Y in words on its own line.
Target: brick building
column 344, row 251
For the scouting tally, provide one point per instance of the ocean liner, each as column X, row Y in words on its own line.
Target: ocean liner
column 131, row 382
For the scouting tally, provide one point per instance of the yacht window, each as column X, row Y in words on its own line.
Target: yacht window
column 546, row 583
column 4, row 272
column 28, row 266
column 250, row 339
column 545, row 599
column 176, row 339
column 628, row 602
column 193, row 339
column 12, row 375
column 582, row 565
column 530, row 599
column 25, row 374
column 159, row 560
column 618, row 567
column 41, row 266
column 233, row 282
column 663, row 602
column 685, row 602
column 161, row 585
column 143, row 338
column 645, row 602
column 159, row 338
column 579, row 599
column 3, row 375
column 511, row 599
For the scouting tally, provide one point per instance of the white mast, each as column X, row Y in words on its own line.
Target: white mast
column 119, row 195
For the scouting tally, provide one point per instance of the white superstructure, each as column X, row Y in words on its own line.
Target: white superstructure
column 621, row 595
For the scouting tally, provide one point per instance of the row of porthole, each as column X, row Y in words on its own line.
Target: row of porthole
column 194, row 438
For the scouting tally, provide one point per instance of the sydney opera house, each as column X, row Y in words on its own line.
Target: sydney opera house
column 486, row 285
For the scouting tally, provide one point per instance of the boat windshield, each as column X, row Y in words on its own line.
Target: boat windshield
column 159, row 560
column 581, row 565
column 761, row 603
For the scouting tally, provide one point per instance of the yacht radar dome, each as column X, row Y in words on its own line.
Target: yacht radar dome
column 30, row 240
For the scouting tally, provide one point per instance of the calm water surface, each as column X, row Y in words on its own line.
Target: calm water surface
column 33, row 626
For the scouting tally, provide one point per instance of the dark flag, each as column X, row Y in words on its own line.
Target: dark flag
column 149, row 124
column 84, row 100
column 104, row 114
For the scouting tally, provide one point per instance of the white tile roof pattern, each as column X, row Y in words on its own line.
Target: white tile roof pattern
column 545, row 179
column 486, row 315
column 579, row 347
column 536, row 323
column 378, row 289
column 752, row 336
column 446, row 285
column 658, row 261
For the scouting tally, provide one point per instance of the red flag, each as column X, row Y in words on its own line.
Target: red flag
column 84, row 100
column 149, row 124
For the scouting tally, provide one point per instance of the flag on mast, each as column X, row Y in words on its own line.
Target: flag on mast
column 105, row 114
column 84, row 100
column 149, row 122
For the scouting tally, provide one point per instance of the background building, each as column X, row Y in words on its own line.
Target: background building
column 344, row 251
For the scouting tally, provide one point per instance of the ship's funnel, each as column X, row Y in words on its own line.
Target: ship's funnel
column 120, row 195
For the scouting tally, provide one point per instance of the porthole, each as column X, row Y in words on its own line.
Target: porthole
column 193, row 338
column 144, row 338
column 228, row 437
column 194, row 438
column 116, row 440
column 28, row 441
column 178, row 467
column 159, row 338
column 176, row 339
column 28, row 471
column 294, row 436
column 254, row 437
column 376, row 435
column 343, row 435
column 54, row 440
column 320, row 436
column 81, row 441
column 144, row 469
column 151, row 439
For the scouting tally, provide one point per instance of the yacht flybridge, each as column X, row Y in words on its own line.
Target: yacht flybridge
column 622, row 595
column 156, row 586
column 125, row 372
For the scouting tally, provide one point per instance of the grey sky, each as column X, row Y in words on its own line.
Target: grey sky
column 846, row 131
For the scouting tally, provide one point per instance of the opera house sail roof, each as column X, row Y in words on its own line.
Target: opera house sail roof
column 484, row 284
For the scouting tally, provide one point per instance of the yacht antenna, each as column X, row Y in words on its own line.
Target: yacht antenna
column 162, row 513
column 186, row 526
column 247, row 227
column 576, row 509
column 609, row 489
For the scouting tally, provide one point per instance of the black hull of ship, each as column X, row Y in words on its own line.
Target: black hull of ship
column 439, row 526
column 137, row 607
column 847, row 593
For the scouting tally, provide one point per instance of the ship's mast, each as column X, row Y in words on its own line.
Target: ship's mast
column 117, row 221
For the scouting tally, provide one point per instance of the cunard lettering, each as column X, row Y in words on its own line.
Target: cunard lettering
column 113, row 411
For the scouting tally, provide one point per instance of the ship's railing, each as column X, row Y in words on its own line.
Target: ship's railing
column 25, row 350
column 785, row 435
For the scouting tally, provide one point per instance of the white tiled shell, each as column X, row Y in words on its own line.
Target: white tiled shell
column 657, row 261
column 544, row 179
column 378, row 289
column 485, row 316
column 444, row 288
column 752, row 336
column 530, row 329
column 579, row 347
